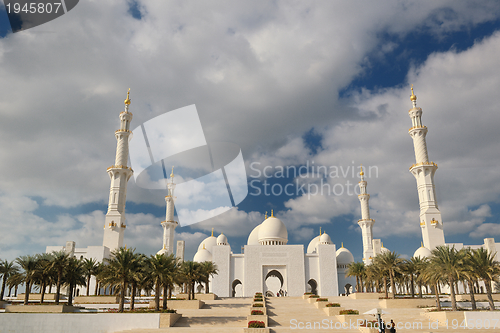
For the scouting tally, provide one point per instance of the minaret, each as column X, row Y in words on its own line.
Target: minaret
column 169, row 224
column 119, row 173
column 366, row 223
column 423, row 170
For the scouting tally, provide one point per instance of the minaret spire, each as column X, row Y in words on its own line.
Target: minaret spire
column 423, row 170
column 119, row 173
column 366, row 223
column 169, row 224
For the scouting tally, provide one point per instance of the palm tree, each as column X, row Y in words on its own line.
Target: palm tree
column 7, row 269
column 356, row 269
column 448, row 262
column 14, row 281
column 469, row 274
column 420, row 264
column 431, row 275
column 137, row 277
column 409, row 268
column 487, row 269
column 29, row 264
column 74, row 275
column 208, row 269
column 58, row 263
column 191, row 272
column 44, row 274
column 89, row 269
column 389, row 262
column 161, row 269
column 119, row 271
column 97, row 273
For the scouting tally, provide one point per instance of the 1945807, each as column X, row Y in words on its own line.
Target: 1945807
column 33, row 7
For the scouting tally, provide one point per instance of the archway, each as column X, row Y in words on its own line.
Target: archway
column 312, row 286
column 273, row 282
column 237, row 288
column 348, row 289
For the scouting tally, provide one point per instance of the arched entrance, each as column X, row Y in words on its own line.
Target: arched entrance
column 237, row 288
column 312, row 286
column 273, row 283
column 348, row 289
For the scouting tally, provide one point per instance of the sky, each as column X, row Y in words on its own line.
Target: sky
column 293, row 84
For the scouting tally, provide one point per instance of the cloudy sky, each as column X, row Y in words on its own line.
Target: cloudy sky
column 292, row 83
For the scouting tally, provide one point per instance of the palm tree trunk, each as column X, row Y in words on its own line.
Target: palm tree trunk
column 487, row 284
column 42, row 296
column 436, row 292
column 157, row 295
column 472, row 297
column 385, row 287
column 58, row 286
column 420, row 293
column 165, row 295
column 192, row 290
column 70, row 294
column 88, row 284
column 96, row 287
column 393, row 285
column 412, row 286
column 4, row 281
column 207, row 291
column 15, row 290
column 122, row 296
column 27, row 293
column 452, row 294
column 132, row 296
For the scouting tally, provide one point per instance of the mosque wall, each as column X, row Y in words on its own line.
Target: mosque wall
column 221, row 283
column 328, row 284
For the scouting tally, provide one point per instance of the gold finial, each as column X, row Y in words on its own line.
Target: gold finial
column 212, row 232
column 266, row 216
column 421, row 244
column 320, row 231
column 272, row 213
column 382, row 244
column 127, row 101
column 413, row 98
column 172, row 174
column 203, row 246
column 342, row 244
column 361, row 173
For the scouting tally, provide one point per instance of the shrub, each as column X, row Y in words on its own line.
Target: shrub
column 258, row 305
column 256, row 324
column 314, row 296
column 321, row 299
column 333, row 305
column 257, row 312
column 349, row 312
column 258, row 294
column 308, row 293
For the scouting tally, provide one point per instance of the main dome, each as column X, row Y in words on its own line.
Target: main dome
column 273, row 232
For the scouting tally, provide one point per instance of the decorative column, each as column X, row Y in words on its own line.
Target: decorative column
column 423, row 171
column 366, row 223
column 119, row 173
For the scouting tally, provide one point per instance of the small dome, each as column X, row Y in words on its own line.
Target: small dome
column 162, row 251
column 253, row 238
column 384, row 250
column 311, row 248
column 344, row 256
column 209, row 243
column 325, row 239
column 222, row 240
column 422, row 252
column 273, row 232
column 202, row 255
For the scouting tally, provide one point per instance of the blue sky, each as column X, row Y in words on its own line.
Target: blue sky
column 291, row 83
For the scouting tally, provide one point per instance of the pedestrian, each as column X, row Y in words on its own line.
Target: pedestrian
column 392, row 327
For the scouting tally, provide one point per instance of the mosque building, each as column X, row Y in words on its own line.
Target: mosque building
column 267, row 263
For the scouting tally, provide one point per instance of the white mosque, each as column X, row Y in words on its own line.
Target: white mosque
column 268, row 263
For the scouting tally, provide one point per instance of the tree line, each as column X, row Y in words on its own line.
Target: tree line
column 446, row 266
column 124, row 272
